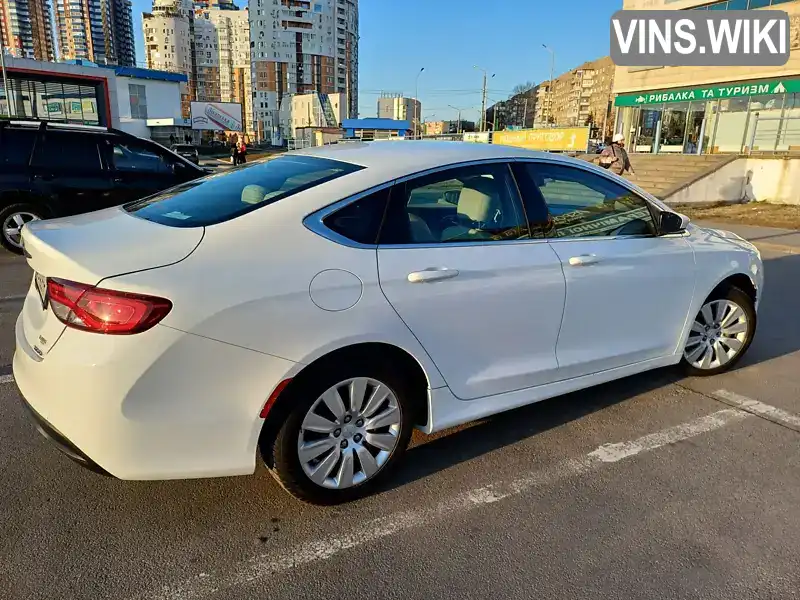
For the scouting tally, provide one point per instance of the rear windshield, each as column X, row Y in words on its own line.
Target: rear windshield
column 219, row 198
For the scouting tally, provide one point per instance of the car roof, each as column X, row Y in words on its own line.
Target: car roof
column 402, row 157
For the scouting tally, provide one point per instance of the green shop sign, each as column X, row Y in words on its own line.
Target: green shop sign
column 723, row 90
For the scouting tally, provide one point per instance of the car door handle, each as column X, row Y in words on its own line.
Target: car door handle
column 432, row 274
column 44, row 176
column 583, row 260
column 117, row 179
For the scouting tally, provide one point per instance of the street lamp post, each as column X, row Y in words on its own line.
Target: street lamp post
column 458, row 126
column 552, row 68
column 483, row 97
column 415, row 124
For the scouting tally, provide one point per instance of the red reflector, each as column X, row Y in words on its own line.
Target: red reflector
column 273, row 397
column 88, row 308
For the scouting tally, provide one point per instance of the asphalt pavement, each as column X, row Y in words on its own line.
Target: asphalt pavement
column 656, row 486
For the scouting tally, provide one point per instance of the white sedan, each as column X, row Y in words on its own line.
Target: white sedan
column 314, row 308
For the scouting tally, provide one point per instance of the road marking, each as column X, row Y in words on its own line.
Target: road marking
column 6, row 378
column 265, row 565
column 755, row 407
column 13, row 298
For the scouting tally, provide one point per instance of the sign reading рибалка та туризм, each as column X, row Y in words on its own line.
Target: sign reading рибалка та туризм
column 710, row 92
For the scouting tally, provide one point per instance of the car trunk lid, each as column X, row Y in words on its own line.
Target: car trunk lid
column 87, row 249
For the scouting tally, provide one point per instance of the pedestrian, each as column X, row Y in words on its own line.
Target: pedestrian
column 234, row 152
column 171, row 139
column 188, row 138
column 615, row 157
column 242, row 152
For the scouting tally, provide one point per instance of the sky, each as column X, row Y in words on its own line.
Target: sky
column 449, row 37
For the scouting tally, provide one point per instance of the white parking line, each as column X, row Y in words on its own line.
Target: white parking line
column 262, row 566
column 6, row 378
column 771, row 413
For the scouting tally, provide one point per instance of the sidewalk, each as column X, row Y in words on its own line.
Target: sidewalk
column 767, row 236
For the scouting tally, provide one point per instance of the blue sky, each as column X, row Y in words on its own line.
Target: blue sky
column 448, row 37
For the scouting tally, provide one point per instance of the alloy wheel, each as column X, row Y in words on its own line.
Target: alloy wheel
column 718, row 334
column 12, row 226
column 349, row 433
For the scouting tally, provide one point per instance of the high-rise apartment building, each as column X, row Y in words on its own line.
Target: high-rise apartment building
column 27, row 28
column 97, row 30
column 301, row 46
column 210, row 43
column 582, row 95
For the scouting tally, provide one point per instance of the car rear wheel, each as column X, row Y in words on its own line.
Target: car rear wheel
column 344, row 435
column 720, row 334
column 12, row 219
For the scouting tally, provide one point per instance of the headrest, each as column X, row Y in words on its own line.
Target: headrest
column 478, row 200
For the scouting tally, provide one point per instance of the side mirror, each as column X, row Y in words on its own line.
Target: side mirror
column 670, row 222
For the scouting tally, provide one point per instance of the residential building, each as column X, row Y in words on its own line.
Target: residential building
column 519, row 111
column 695, row 110
column 399, row 107
column 209, row 42
column 301, row 46
column 543, row 105
column 100, row 31
column 27, row 30
column 311, row 110
column 581, row 96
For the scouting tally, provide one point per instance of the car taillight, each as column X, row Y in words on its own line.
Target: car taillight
column 97, row 310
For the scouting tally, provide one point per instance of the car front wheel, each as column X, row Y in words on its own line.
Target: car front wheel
column 344, row 435
column 12, row 219
column 720, row 334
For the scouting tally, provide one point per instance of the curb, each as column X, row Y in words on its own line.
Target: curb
column 777, row 247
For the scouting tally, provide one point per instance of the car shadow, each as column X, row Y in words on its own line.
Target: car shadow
column 778, row 334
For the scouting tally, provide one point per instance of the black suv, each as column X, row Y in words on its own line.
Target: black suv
column 52, row 170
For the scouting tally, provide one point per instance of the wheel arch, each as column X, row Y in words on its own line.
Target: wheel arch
column 382, row 352
column 11, row 197
column 740, row 280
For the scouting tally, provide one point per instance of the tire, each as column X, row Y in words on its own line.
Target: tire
column 740, row 332
column 7, row 222
column 288, row 468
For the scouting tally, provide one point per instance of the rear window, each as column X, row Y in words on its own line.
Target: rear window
column 223, row 197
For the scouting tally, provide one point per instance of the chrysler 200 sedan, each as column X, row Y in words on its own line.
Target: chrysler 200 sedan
column 314, row 308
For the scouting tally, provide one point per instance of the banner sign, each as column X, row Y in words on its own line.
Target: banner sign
column 555, row 139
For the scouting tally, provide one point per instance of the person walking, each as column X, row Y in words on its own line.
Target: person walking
column 234, row 152
column 242, row 152
column 615, row 157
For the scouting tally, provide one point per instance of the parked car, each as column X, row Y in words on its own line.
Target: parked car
column 187, row 151
column 316, row 307
column 51, row 170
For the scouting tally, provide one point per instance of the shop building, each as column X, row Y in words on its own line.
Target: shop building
column 706, row 110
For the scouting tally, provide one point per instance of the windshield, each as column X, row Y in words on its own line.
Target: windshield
column 219, row 198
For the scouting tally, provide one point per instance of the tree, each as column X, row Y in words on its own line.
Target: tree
column 521, row 88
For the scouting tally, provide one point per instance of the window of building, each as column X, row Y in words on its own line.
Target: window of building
column 138, row 100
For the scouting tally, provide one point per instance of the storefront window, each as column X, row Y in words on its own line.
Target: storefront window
column 762, row 130
column 731, row 125
column 673, row 127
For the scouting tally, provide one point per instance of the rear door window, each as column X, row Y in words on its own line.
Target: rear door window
column 15, row 147
column 68, row 152
column 223, row 197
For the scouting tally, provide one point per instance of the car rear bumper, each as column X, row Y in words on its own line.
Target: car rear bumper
column 158, row 405
column 61, row 442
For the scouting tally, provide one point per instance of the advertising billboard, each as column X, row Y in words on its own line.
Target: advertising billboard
column 217, row 116
column 554, row 139
column 476, row 137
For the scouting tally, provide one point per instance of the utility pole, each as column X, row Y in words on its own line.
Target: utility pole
column 550, row 91
column 458, row 126
column 415, row 124
column 483, row 97
column 6, row 89
column 525, row 114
